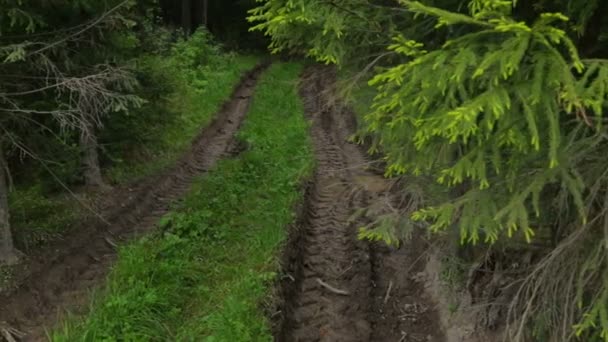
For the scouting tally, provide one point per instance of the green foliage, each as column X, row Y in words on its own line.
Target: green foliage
column 197, row 51
column 453, row 272
column 319, row 29
column 187, row 283
column 484, row 107
column 37, row 218
column 387, row 229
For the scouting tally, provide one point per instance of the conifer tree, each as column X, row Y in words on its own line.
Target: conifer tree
column 60, row 71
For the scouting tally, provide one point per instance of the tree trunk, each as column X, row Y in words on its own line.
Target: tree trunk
column 187, row 16
column 90, row 158
column 590, row 45
column 8, row 254
column 205, row 12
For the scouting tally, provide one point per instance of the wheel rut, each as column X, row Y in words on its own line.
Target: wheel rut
column 335, row 285
column 332, row 277
column 60, row 278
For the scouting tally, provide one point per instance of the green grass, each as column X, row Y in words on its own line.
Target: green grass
column 206, row 276
column 197, row 97
column 37, row 218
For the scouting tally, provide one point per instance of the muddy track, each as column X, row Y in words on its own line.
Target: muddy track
column 335, row 285
column 61, row 277
column 334, row 270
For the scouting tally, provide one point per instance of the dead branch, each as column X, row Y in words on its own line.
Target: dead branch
column 388, row 292
column 11, row 334
column 111, row 242
column 83, row 30
column 332, row 289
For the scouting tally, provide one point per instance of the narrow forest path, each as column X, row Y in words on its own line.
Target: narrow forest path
column 60, row 278
column 340, row 288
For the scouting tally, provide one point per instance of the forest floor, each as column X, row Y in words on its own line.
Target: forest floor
column 330, row 285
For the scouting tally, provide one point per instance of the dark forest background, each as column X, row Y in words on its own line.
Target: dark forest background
column 226, row 20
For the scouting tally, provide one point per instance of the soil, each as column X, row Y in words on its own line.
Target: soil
column 336, row 287
column 460, row 315
column 60, row 278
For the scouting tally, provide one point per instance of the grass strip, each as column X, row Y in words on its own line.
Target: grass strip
column 206, row 274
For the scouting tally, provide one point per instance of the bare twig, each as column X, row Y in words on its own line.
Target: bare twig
column 332, row 289
column 388, row 292
column 83, row 30
column 111, row 242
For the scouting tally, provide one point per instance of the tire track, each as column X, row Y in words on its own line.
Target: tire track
column 330, row 302
column 61, row 277
column 341, row 288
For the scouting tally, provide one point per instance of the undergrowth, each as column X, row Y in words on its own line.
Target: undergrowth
column 206, row 275
column 184, row 87
column 192, row 106
column 37, row 218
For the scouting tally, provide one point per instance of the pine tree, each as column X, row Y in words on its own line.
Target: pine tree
column 60, row 71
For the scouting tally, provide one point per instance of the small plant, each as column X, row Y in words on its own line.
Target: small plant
column 453, row 307
column 454, row 272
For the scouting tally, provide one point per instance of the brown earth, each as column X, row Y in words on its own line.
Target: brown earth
column 460, row 315
column 59, row 278
column 336, row 287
